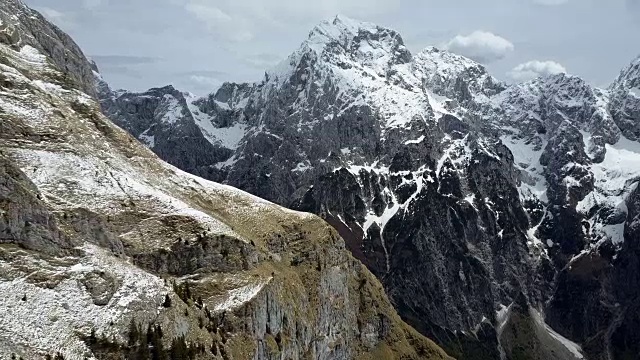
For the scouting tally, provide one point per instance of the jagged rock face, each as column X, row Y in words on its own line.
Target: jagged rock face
column 100, row 237
column 25, row 220
column 460, row 193
column 162, row 120
column 20, row 25
column 625, row 105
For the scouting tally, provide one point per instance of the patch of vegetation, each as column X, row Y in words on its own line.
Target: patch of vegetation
column 144, row 345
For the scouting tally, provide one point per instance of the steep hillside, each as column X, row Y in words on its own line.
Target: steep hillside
column 463, row 195
column 107, row 252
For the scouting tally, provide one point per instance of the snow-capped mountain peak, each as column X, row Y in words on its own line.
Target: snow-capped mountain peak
column 629, row 77
column 455, row 76
column 345, row 42
column 340, row 28
column 446, row 63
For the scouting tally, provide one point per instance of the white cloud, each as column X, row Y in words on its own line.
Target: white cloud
column 205, row 80
column 244, row 20
column 91, row 4
column 551, row 2
column 536, row 68
column 481, row 46
column 61, row 19
column 219, row 22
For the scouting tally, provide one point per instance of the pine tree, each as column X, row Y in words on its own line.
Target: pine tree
column 150, row 334
column 167, row 301
column 179, row 349
column 187, row 290
column 134, row 333
column 154, row 334
column 92, row 337
column 141, row 352
column 159, row 332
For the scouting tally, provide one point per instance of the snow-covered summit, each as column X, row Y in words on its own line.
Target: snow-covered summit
column 562, row 89
column 342, row 40
column 446, row 63
column 629, row 77
column 340, row 28
column 455, row 76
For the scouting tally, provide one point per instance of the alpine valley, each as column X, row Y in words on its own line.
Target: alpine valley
column 500, row 221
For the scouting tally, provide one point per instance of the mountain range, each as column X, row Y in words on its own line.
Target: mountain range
column 499, row 220
column 482, row 207
column 107, row 252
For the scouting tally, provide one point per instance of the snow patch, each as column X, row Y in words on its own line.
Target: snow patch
column 417, row 141
column 51, row 316
column 527, row 160
column 49, row 87
column 574, row 348
column 147, row 140
column 30, row 54
column 103, row 185
column 302, row 167
column 615, row 178
column 471, row 199
column 227, row 137
column 502, row 316
column 238, row 297
column 174, row 109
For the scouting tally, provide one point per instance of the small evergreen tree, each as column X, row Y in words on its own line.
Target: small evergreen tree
column 187, row 290
column 150, row 334
column 92, row 337
column 167, row 301
column 134, row 333
column 179, row 349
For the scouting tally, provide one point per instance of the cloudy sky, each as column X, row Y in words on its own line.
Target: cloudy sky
column 197, row 44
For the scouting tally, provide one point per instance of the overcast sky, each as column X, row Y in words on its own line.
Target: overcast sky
column 197, row 44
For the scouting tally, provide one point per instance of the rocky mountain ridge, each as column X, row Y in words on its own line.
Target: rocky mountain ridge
column 462, row 194
column 107, row 252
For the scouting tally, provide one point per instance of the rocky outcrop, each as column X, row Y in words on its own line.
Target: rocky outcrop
column 108, row 252
column 161, row 119
column 625, row 104
column 20, row 25
column 25, row 220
